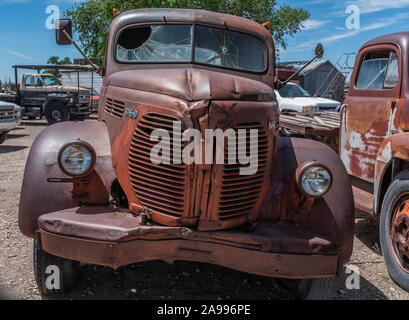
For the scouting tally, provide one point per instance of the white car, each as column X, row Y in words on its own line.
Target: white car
column 294, row 98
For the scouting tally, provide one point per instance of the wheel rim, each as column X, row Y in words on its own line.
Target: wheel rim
column 56, row 115
column 399, row 233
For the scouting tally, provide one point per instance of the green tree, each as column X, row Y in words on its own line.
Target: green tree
column 54, row 60
column 91, row 18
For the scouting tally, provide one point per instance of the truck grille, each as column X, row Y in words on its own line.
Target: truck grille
column 114, row 108
column 161, row 187
column 239, row 193
column 7, row 113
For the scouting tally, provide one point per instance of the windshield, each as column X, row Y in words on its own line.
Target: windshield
column 293, row 91
column 176, row 43
column 50, row 80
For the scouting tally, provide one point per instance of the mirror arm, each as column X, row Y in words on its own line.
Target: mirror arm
column 96, row 69
column 282, row 84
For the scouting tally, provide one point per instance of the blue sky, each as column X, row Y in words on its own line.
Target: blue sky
column 26, row 40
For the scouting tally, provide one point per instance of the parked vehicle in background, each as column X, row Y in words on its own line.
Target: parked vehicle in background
column 374, row 142
column 292, row 217
column 10, row 116
column 294, row 98
column 94, row 99
column 42, row 94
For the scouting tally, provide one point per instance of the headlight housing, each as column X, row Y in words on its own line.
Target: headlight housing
column 314, row 179
column 309, row 109
column 77, row 158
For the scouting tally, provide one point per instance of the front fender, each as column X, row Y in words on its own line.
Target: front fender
column 332, row 215
column 393, row 147
column 40, row 196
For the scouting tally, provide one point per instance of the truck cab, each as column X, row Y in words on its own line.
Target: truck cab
column 185, row 162
column 42, row 94
column 374, row 142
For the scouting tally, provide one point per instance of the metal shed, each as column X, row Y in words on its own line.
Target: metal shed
column 320, row 78
column 86, row 77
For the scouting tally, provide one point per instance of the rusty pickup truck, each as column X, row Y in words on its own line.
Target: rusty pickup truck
column 372, row 136
column 110, row 202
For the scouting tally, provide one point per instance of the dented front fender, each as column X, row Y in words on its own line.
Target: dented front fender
column 332, row 215
column 46, row 188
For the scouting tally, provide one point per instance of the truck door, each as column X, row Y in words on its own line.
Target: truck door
column 32, row 93
column 369, row 108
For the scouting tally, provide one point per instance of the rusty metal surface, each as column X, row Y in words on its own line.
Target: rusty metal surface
column 39, row 196
column 400, row 232
column 230, row 102
column 104, row 223
column 331, row 216
column 116, row 254
column 369, row 117
column 200, row 212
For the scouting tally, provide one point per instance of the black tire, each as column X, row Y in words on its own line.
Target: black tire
column 56, row 112
column 311, row 289
column 3, row 136
column 397, row 192
column 69, row 271
column 79, row 117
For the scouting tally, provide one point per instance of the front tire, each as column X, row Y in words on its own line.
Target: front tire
column 56, row 112
column 394, row 230
column 3, row 136
column 47, row 265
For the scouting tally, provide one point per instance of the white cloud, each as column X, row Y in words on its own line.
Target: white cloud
column 368, row 6
column 382, row 23
column 314, row 24
column 21, row 55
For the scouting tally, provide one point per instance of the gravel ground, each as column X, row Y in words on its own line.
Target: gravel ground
column 158, row 280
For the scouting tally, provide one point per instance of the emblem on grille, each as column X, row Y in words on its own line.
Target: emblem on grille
column 131, row 113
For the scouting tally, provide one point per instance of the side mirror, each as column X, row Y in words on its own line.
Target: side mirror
column 62, row 25
column 319, row 51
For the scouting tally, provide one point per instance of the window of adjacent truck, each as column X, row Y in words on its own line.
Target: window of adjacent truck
column 192, row 44
column 33, row 81
column 50, row 80
column 378, row 71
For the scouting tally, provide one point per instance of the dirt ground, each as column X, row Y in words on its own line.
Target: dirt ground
column 158, row 280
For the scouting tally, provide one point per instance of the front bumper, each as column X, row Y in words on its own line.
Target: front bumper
column 109, row 237
column 8, row 125
column 83, row 109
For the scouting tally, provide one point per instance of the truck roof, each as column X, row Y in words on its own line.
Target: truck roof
column 189, row 15
column 400, row 39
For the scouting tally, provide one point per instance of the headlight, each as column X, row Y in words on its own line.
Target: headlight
column 309, row 109
column 77, row 159
column 314, row 180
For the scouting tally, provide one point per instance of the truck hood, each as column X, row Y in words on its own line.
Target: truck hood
column 193, row 84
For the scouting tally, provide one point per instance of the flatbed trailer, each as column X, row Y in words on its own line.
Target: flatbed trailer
column 321, row 126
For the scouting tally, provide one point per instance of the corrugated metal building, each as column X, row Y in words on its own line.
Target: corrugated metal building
column 70, row 78
column 320, row 78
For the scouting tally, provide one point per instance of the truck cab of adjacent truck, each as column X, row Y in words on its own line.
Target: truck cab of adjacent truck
column 177, row 81
column 374, row 142
column 43, row 94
